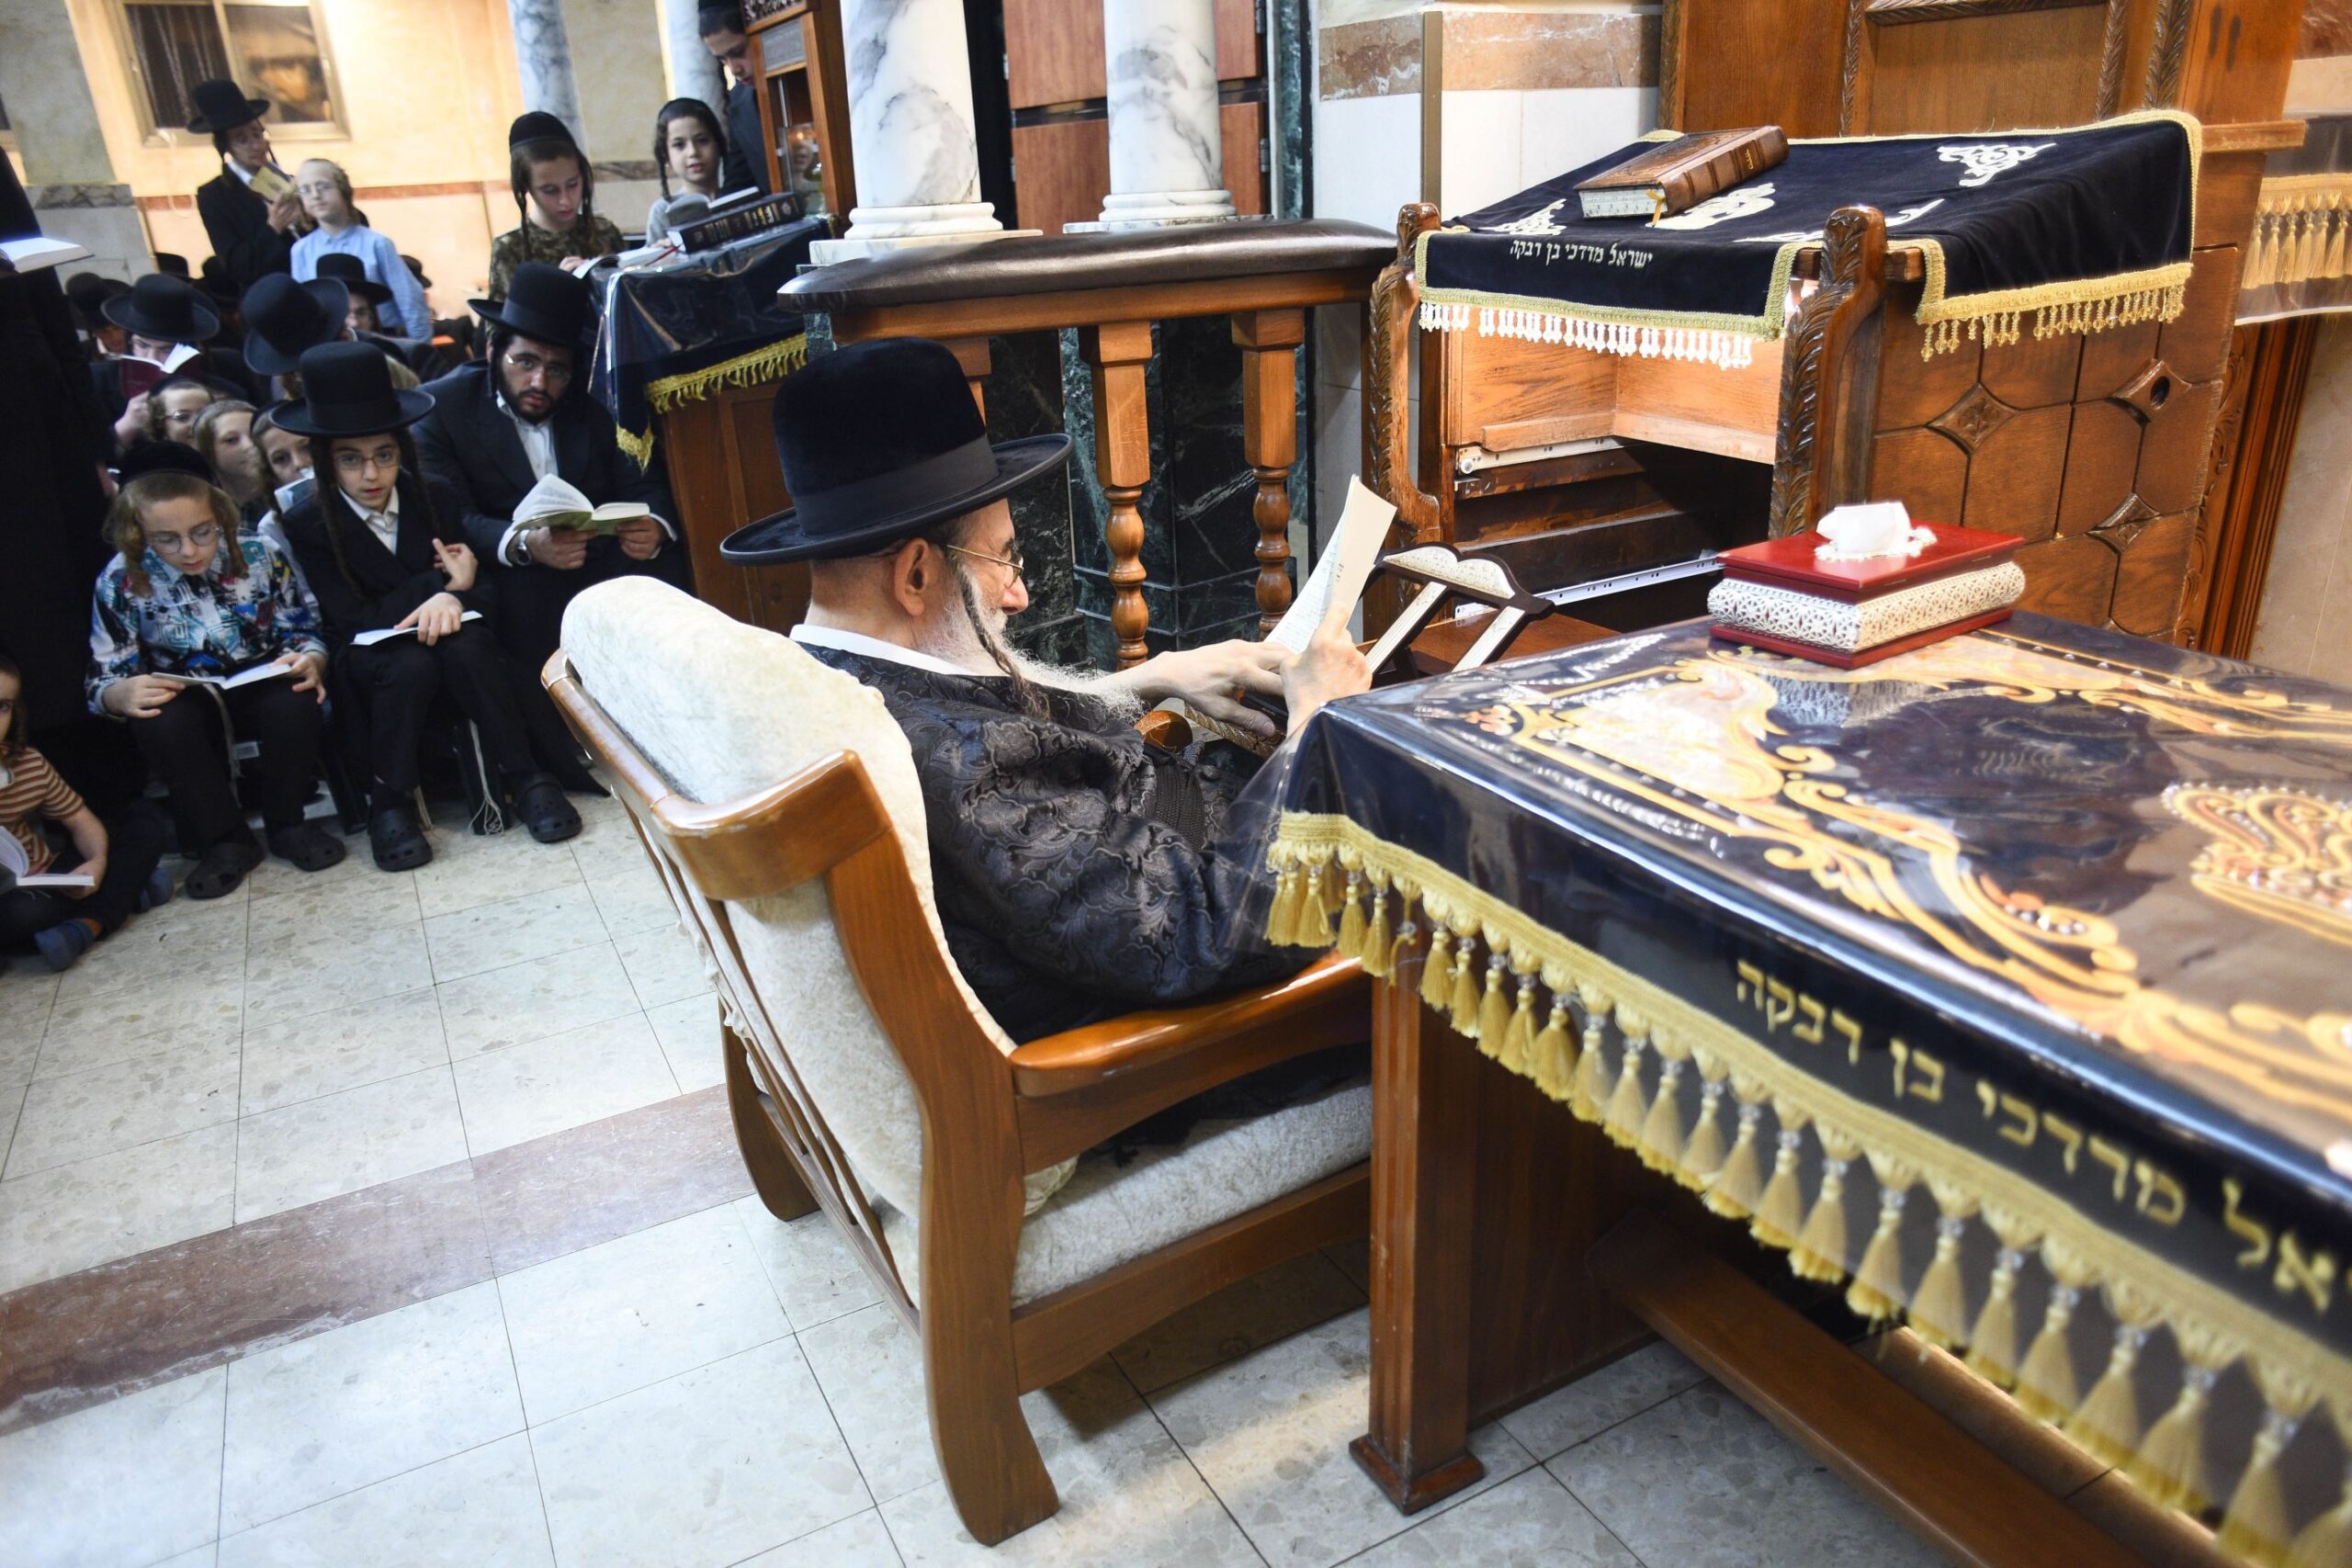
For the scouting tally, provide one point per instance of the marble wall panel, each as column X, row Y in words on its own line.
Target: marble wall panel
column 1602, row 46
column 617, row 65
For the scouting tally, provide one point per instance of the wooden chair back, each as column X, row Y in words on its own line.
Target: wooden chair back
column 825, row 821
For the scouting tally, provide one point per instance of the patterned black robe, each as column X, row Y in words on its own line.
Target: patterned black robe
column 1080, row 871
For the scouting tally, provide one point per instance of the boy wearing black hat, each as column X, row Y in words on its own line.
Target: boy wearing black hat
column 500, row 426
column 251, row 235
column 1079, row 870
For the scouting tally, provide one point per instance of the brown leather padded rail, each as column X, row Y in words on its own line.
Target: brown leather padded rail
column 1050, row 263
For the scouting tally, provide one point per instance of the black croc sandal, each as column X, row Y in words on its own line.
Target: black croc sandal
column 550, row 817
column 305, row 847
column 221, row 868
column 396, row 841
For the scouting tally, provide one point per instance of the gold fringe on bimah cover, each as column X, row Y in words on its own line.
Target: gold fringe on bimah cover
column 1830, row 1179
column 2302, row 230
column 1995, row 318
column 779, row 358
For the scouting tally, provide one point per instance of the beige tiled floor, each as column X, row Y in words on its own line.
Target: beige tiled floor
column 309, row 1035
column 719, row 1389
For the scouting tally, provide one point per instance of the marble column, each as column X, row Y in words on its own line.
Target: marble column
column 543, row 61
column 1167, row 155
column 692, row 71
column 910, row 126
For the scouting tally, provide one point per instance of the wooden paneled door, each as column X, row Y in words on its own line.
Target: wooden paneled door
column 1061, row 137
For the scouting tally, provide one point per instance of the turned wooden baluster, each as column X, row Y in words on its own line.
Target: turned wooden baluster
column 1118, row 351
column 1269, row 342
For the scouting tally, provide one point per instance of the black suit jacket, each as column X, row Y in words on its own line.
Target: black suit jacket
column 237, row 222
column 383, row 585
column 746, row 163
column 470, row 444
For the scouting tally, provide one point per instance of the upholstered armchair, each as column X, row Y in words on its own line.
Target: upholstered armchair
column 779, row 801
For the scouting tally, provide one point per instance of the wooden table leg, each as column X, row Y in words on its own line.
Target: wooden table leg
column 1269, row 341
column 1119, row 351
column 972, row 356
column 1424, row 1166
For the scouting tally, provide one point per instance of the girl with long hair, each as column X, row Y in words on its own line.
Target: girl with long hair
column 555, row 205
column 190, row 602
column 690, row 147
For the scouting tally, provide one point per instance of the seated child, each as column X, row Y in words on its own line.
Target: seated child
column 190, row 597
column 61, row 924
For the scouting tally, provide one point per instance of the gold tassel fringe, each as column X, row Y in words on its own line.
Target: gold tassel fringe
column 766, row 363
column 2327, row 1541
column 1327, row 894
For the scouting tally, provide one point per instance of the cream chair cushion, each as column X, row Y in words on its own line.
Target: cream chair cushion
column 1109, row 1214
column 725, row 710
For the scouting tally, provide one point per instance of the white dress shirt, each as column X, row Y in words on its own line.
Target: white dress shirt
column 385, row 524
column 874, row 647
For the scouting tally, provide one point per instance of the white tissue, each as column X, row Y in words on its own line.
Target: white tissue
column 1869, row 530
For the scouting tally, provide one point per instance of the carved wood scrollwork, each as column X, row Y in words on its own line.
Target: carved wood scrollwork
column 1670, row 64
column 2166, row 52
column 1388, row 412
column 1852, row 68
column 1829, row 376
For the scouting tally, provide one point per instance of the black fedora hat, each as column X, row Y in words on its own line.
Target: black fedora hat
column 165, row 308
column 881, row 441
column 352, row 272
column 284, row 318
column 222, row 105
column 543, row 302
column 347, row 390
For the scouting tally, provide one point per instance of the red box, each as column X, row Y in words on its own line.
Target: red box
column 1789, row 565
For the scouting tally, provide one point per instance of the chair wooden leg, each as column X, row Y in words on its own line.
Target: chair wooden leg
column 986, row 1450
column 774, row 1176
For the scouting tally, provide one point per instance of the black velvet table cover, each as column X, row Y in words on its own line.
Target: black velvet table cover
column 687, row 331
column 2046, row 929
column 2097, row 217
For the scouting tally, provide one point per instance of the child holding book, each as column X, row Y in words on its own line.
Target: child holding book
column 555, row 197
column 690, row 147
column 61, row 922
column 385, row 555
column 190, row 602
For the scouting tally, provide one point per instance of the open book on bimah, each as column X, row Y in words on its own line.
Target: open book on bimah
column 555, row 503
column 15, row 869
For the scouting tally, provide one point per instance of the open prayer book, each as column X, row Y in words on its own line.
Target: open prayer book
column 18, row 865
column 555, row 503
column 34, row 251
column 141, row 374
column 370, row 639
column 1328, row 598
column 269, row 672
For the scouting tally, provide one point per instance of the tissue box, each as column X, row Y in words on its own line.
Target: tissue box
column 1779, row 595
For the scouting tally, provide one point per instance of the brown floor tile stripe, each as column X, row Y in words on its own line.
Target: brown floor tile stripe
column 82, row 1339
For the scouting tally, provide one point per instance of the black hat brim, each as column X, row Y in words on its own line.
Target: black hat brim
column 296, row 417
column 368, row 288
column 524, row 326
column 777, row 540
column 255, row 109
column 123, row 311
column 264, row 358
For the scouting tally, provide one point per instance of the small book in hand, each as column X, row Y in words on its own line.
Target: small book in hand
column 1676, row 175
column 554, row 503
column 16, row 870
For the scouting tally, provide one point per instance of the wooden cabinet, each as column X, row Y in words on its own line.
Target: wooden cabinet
column 804, row 100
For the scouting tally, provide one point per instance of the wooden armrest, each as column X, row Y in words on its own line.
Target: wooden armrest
column 1082, row 1058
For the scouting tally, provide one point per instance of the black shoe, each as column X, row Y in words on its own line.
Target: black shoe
column 539, row 800
column 220, row 868
column 309, row 848
column 398, row 842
